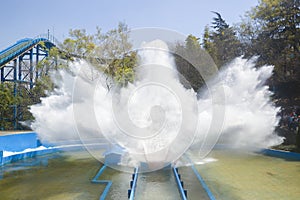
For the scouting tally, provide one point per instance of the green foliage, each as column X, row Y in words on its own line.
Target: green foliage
column 7, row 99
column 193, row 63
column 270, row 30
column 122, row 70
column 21, row 100
column 108, row 52
column 51, row 62
column 208, row 44
column 219, row 23
column 192, row 43
column 273, row 30
column 113, row 44
column 221, row 43
column 79, row 43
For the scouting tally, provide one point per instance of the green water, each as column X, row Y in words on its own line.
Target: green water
column 120, row 180
column 159, row 185
column 234, row 176
column 59, row 176
column 249, row 176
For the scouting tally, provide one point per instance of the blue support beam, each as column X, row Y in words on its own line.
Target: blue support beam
column 201, row 180
column 182, row 191
column 20, row 67
column 133, row 184
column 31, row 68
column 2, row 75
column 37, row 56
column 106, row 182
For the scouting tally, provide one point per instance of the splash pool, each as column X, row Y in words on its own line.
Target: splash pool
column 68, row 175
column 56, row 176
column 248, row 176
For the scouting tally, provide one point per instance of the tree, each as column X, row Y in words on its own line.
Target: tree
column 247, row 33
column 221, row 43
column 7, row 100
column 109, row 52
column 79, row 44
column 272, row 29
column 279, row 39
column 219, row 23
column 193, row 63
column 122, row 70
column 192, row 43
column 117, row 59
column 208, row 44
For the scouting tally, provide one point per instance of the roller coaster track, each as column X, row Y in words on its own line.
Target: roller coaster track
column 21, row 47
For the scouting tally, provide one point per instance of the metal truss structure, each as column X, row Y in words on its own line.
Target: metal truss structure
column 19, row 64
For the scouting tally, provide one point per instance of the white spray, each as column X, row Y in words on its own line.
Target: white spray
column 156, row 119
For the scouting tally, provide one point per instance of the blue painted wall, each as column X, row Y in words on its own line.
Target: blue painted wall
column 30, row 154
column 18, row 142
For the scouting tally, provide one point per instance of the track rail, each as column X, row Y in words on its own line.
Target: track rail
column 201, row 180
column 106, row 182
column 133, row 184
column 182, row 191
column 21, row 47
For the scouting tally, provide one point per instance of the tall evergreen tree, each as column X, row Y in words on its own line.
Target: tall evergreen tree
column 193, row 63
column 271, row 31
column 278, row 42
column 221, row 42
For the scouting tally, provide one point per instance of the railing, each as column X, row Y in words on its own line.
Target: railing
column 201, row 180
column 107, row 182
column 49, row 37
column 13, row 48
column 19, row 48
column 133, row 183
column 182, row 191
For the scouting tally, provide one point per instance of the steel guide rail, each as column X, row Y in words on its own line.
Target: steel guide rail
column 133, row 183
column 107, row 182
column 182, row 191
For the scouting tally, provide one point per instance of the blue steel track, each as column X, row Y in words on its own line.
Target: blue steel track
column 21, row 47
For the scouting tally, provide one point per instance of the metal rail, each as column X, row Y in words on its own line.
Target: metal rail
column 182, row 191
column 107, row 182
column 201, row 180
column 133, row 184
column 21, row 47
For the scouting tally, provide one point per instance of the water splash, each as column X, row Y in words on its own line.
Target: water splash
column 250, row 116
column 155, row 120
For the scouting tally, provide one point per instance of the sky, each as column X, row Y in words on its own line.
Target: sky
column 28, row 19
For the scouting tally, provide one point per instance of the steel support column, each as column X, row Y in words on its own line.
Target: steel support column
column 20, row 67
column 15, row 109
column 2, row 74
column 37, row 62
column 31, row 68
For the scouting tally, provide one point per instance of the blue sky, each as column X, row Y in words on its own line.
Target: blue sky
column 21, row 19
